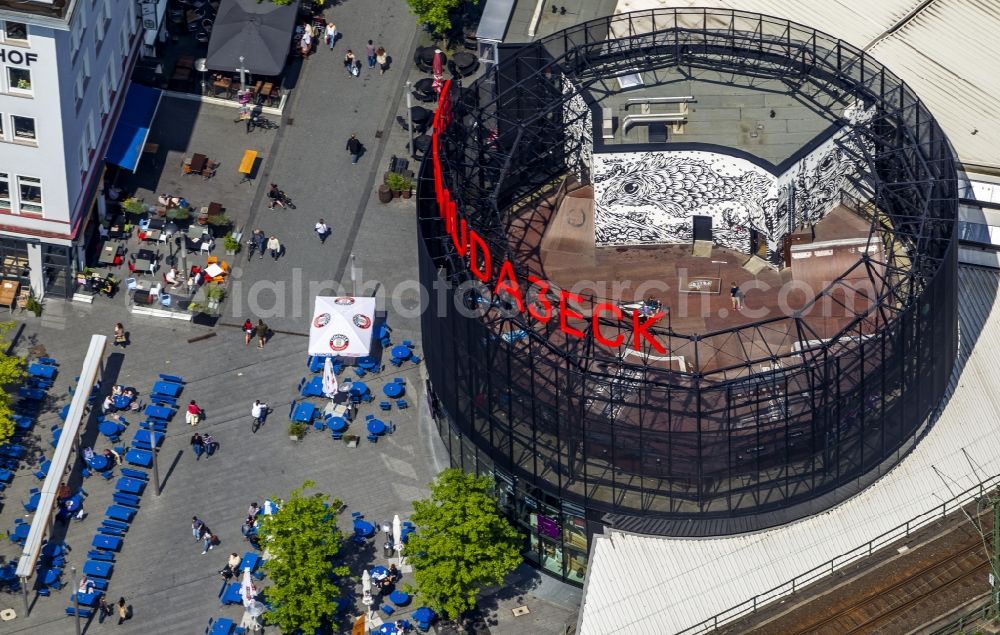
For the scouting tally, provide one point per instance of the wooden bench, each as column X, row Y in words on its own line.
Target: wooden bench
column 246, row 164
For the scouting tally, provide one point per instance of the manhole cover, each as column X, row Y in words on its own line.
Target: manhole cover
column 519, row 611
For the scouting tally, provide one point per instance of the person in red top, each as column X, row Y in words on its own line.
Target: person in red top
column 193, row 413
column 248, row 330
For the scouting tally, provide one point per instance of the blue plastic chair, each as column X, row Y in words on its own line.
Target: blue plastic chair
column 174, row 379
column 414, row 359
column 402, row 404
column 291, row 410
column 399, row 380
column 373, row 438
column 385, row 405
column 165, row 299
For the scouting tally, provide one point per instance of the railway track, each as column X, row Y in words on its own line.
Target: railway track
column 878, row 609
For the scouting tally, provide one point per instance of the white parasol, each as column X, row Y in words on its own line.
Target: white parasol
column 247, row 588
column 366, row 583
column 397, row 535
column 329, row 379
column 255, row 609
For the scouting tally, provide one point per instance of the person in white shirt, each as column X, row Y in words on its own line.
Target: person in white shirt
column 108, row 405
column 172, row 277
column 322, row 230
column 331, row 34
column 259, row 412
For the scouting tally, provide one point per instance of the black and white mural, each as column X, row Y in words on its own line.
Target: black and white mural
column 650, row 197
column 579, row 127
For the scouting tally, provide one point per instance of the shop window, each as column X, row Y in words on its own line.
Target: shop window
column 24, row 128
column 1, row 127
column 30, row 190
column 19, row 80
column 4, row 192
column 15, row 32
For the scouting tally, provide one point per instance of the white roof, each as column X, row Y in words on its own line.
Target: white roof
column 641, row 584
column 947, row 51
column 342, row 326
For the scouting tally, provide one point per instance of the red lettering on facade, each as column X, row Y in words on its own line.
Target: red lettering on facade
column 477, row 245
column 507, row 283
column 595, row 320
column 542, row 298
column 640, row 331
column 565, row 312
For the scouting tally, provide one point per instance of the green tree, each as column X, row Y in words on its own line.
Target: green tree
column 12, row 373
column 462, row 542
column 303, row 540
column 436, row 13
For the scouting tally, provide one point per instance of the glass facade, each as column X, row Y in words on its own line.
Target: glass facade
column 578, row 438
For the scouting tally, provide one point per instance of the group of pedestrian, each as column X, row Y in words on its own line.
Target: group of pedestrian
column 261, row 243
column 377, row 57
column 201, row 533
column 249, row 330
column 106, row 610
column 203, row 444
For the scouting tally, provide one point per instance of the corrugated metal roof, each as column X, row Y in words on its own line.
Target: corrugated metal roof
column 948, row 52
column 494, row 21
column 641, row 584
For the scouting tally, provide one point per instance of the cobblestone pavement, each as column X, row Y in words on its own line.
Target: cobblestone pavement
column 160, row 570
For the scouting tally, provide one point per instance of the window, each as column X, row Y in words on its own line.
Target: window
column 123, row 43
column 102, row 94
column 30, row 190
column 4, row 192
column 15, row 32
column 84, row 156
column 100, row 24
column 133, row 21
column 78, row 91
column 92, row 138
column 24, row 127
column 19, row 79
column 112, row 80
column 75, row 35
column 1, row 127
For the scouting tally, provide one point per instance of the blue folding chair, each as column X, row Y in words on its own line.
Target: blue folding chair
column 414, row 359
column 174, row 379
column 408, row 343
column 385, row 405
column 399, row 380
column 373, row 438
column 291, row 411
column 402, row 404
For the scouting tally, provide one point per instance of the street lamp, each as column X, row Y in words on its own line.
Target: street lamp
column 170, row 229
column 76, row 600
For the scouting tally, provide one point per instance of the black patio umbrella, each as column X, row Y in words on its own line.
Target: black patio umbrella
column 260, row 32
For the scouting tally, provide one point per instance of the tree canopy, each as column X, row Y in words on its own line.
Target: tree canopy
column 436, row 13
column 462, row 542
column 12, row 373
column 303, row 540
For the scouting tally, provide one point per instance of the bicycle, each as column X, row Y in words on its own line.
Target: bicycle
column 258, row 121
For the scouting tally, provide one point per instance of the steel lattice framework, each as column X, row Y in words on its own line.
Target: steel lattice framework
column 641, row 446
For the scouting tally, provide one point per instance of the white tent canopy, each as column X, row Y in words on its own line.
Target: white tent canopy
column 342, row 326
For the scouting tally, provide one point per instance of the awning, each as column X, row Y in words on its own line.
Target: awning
column 132, row 130
column 342, row 327
column 259, row 32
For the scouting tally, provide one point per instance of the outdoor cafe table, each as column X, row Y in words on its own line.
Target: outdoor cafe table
column 21, row 531
column 130, row 485
column 98, row 568
column 48, row 576
column 304, row 412
column 399, row 598
column 359, row 388
column 424, row 614
column 393, row 389
column 222, row 626
column 147, row 437
column 99, row 462
column 158, row 412
column 33, row 501
column 336, row 424
column 375, row 426
column 108, row 254
column 87, row 599
column 363, row 528
column 401, row 352
column 250, row 561
column 42, row 370
column 367, row 362
column 8, row 293
column 232, row 594
column 379, row 573
column 109, row 428
column 74, row 503
column 167, row 388
column 111, row 543
column 121, row 402
column 198, row 162
column 31, row 393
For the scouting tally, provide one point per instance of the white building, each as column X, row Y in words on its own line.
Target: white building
column 64, row 69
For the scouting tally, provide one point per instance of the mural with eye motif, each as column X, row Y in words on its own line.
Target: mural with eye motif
column 649, row 197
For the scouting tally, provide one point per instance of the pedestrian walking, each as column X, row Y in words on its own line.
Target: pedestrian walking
column 197, row 446
column 261, row 333
column 349, row 62
column 354, row 147
column 322, row 230
column 259, row 413
column 306, row 42
column 196, row 527
column 259, row 239
column 119, row 335
column 382, row 59
column 194, row 413
column 248, row 330
column 104, row 609
column 123, row 611
column 734, row 295
column 331, row 34
column 208, row 541
column 370, row 53
column 211, row 445
column 274, row 247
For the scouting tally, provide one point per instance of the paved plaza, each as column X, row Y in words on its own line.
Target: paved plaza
column 160, row 570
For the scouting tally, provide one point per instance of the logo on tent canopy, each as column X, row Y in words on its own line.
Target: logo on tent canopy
column 321, row 320
column 339, row 343
column 362, row 321
column 344, row 301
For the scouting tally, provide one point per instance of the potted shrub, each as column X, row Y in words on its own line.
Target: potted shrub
column 407, row 187
column 297, row 430
column 219, row 220
column 34, row 306
column 231, row 244
column 179, row 213
column 195, row 307
column 133, row 205
column 396, row 183
column 215, row 294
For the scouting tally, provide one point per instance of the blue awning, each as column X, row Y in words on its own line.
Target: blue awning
column 130, row 135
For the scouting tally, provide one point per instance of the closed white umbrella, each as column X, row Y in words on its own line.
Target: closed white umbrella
column 397, row 534
column 366, row 583
column 329, row 379
column 255, row 609
column 247, row 588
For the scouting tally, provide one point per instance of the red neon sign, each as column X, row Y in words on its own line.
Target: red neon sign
column 540, row 304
